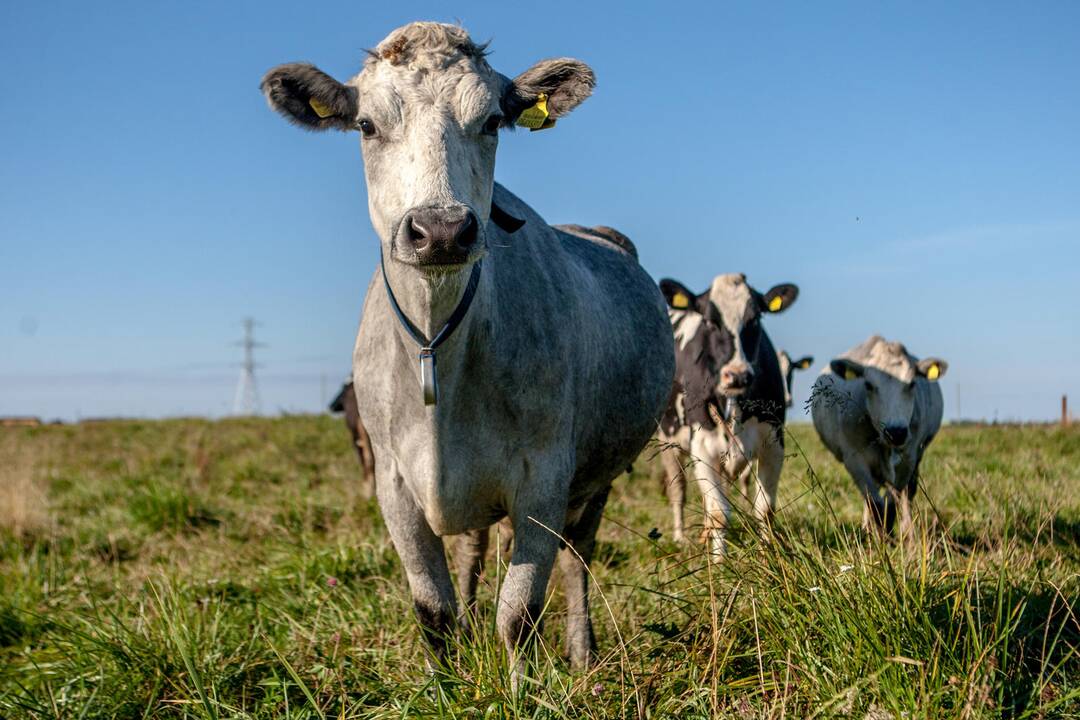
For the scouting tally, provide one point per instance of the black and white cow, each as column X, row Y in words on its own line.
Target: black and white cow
column 788, row 368
column 727, row 404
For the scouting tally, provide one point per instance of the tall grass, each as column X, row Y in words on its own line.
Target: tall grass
column 236, row 570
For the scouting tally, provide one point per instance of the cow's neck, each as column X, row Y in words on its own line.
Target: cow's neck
column 428, row 301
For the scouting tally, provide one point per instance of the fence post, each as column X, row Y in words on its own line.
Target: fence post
column 1064, row 411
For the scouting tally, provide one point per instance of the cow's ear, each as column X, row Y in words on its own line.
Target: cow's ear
column 804, row 363
column 932, row 368
column 677, row 295
column 308, row 97
column 847, row 369
column 549, row 90
column 779, row 298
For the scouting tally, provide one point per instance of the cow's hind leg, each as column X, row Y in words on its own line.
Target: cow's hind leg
column 574, row 560
column 675, row 488
column 423, row 557
column 469, row 559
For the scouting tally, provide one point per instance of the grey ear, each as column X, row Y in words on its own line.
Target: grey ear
column 565, row 81
column 932, row 368
column 846, row 369
column 308, row 97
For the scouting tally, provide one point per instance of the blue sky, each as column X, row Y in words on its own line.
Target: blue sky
column 915, row 168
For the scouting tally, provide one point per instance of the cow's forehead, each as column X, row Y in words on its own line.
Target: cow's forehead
column 427, row 56
column 891, row 360
column 732, row 297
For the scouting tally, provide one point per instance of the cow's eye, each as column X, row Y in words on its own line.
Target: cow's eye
column 367, row 128
column 492, row 124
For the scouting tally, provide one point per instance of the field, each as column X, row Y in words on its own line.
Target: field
column 227, row 569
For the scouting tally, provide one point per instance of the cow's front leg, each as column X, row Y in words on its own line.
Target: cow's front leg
column 711, row 483
column 770, row 463
column 875, row 508
column 537, row 530
column 574, row 561
column 424, row 559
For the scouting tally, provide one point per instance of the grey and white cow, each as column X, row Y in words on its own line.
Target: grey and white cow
column 555, row 375
column 876, row 408
column 727, row 404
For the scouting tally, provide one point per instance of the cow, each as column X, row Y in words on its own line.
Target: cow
column 345, row 402
column 726, row 407
column 554, row 352
column 876, row 408
column 788, row 368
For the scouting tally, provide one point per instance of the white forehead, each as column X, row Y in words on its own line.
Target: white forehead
column 428, row 65
column 890, row 359
column 731, row 296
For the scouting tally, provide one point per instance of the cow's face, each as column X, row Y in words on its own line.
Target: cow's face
column 429, row 109
column 722, row 327
column 787, row 370
column 889, row 386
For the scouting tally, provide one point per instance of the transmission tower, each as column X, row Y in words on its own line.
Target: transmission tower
column 247, row 392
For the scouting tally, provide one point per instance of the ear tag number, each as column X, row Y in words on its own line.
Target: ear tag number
column 429, row 383
column 933, row 372
column 776, row 303
column 321, row 109
column 536, row 117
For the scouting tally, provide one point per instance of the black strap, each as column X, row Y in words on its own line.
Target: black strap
column 451, row 324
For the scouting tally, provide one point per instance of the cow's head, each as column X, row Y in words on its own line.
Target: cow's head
column 888, row 376
column 722, row 326
column 429, row 109
column 788, row 368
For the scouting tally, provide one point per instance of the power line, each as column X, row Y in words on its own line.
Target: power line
column 246, row 401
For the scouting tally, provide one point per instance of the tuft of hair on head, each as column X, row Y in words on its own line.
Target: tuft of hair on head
column 439, row 39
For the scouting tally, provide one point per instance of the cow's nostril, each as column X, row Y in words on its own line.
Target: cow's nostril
column 467, row 233
column 896, row 435
column 418, row 234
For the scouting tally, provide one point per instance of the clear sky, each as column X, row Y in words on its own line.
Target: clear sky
column 914, row 167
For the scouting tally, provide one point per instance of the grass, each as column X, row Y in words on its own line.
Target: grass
column 237, row 569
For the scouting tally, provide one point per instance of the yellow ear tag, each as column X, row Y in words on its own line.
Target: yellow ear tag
column 933, row 372
column 776, row 303
column 849, row 374
column 321, row 109
column 804, row 364
column 680, row 301
column 536, row 117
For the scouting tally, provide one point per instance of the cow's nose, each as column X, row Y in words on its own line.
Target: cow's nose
column 440, row 236
column 896, row 435
column 736, row 378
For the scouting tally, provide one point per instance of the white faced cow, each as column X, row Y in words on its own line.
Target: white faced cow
column 876, row 408
column 727, row 405
column 554, row 349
